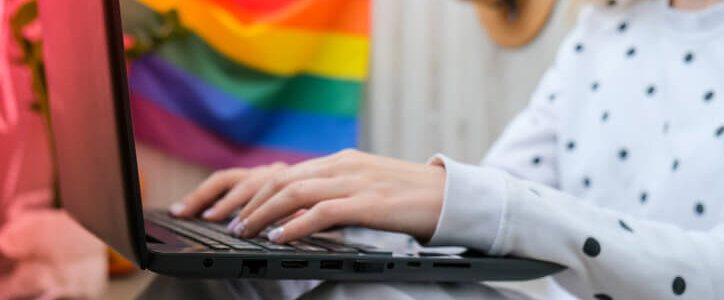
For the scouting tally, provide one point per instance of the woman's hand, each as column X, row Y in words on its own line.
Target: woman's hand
column 347, row 188
column 225, row 191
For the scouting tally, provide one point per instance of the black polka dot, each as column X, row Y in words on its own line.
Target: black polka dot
column 688, row 57
column 699, row 209
column 536, row 160
column 604, row 116
column 579, row 48
column 586, row 182
column 611, row 3
column 622, row 27
column 631, row 52
column 534, row 191
column 719, row 131
column 571, row 145
column 552, row 97
column 624, row 226
column 591, row 247
column 602, row 297
column 675, row 165
column 708, row 96
column 594, row 86
column 643, row 197
column 622, row 154
column 678, row 286
column 665, row 128
column 650, row 90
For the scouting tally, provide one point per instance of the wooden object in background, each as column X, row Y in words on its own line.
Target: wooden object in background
column 514, row 23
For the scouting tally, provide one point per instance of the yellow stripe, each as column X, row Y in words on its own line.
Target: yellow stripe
column 274, row 50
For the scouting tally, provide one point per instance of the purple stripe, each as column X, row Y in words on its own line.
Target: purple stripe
column 157, row 127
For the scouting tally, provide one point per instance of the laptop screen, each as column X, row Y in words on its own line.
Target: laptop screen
column 91, row 121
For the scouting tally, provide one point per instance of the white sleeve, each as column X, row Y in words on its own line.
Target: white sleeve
column 607, row 253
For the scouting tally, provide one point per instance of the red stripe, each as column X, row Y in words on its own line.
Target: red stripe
column 342, row 16
column 159, row 128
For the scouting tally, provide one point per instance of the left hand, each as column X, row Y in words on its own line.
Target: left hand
column 347, row 188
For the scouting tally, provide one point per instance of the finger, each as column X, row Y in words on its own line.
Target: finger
column 291, row 217
column 240, row 193
column 325, row 166
column 298, row 195
column 207, row 192
column 306, row 170
column 339, row 212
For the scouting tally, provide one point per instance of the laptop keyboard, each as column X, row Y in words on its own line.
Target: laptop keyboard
column 215, row 237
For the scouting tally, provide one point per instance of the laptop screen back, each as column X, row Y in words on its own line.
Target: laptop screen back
column 88, row 96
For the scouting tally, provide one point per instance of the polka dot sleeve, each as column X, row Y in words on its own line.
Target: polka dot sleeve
column 527, row 146
column 609, row 255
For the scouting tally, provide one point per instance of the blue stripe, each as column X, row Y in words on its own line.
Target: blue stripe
column 233, row 118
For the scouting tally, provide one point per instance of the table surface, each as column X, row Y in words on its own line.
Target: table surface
column 127, row 287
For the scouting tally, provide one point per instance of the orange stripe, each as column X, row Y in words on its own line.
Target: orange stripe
column 263, row 6
column 342, row 16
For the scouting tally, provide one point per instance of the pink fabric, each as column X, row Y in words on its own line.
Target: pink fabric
column 43, row 253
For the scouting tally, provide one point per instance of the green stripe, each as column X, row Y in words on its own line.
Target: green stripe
column 302, row 92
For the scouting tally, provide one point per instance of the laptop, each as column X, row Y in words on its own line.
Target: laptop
column 99, row 186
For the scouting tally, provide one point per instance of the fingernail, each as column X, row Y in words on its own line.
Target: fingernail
column 232, row 224
column 275, row 234
column 177, row 208
column 207, row 213
column 239, row 228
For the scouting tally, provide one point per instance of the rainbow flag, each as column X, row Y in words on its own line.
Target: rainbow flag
column 248, row 82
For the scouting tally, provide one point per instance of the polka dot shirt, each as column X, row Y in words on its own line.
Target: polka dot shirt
column 616, row 167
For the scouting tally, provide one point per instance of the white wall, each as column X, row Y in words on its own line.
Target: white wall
column 438, row 83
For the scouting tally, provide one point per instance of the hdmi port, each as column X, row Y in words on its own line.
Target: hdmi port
column 294, row 264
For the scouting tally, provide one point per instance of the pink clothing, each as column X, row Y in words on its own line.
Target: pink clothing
column 43, row 253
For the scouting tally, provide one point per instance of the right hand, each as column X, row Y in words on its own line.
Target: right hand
column 224, row 192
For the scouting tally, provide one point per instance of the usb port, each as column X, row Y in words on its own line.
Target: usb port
column 294, row 264
column 330, row 264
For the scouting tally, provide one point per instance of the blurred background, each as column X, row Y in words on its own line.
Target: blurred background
column 224, row 83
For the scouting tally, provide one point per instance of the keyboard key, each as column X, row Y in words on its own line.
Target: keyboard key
column 217, row 246
column 209, row 237
column 271, row 246
column 329, row 245
column 307, row 247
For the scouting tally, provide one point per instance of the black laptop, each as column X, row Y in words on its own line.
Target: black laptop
column 92, row 127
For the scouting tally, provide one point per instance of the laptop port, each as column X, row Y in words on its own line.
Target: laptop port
column 208, row 263
column 451, row 265
column 294, row 264
column 362, row 266
column 253, row 267
column 414, row 264
column 330, row 264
